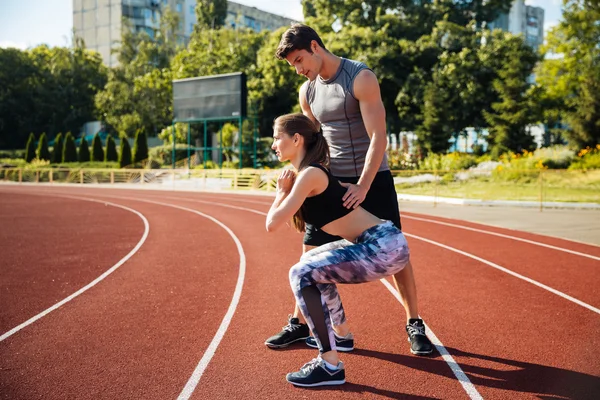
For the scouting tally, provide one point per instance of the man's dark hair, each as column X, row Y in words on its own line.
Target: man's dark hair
column 298, row 37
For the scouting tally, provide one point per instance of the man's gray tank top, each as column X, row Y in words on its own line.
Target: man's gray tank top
column 333, row 104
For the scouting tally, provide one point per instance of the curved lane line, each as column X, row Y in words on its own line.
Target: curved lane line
column 468, row 228
column 404, row 216
column 458, row 372
column 191, row 384
column 526, row 279
column 95, row 281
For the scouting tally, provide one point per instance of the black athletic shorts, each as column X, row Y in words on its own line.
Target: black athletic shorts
column 381, row 201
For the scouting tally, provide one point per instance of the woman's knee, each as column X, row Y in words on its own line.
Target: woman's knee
column 295, row 275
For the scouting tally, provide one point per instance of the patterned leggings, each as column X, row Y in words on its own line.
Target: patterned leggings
column 378, row 252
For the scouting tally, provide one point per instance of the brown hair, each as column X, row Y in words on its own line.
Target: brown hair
column 298, row 37
column 315, row 145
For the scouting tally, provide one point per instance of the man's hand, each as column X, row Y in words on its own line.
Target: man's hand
column 354, row 196
column 285, row 181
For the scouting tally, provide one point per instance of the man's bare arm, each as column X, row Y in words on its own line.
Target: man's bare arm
column 367, row 92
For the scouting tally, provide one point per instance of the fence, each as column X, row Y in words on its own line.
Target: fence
column 538, row 187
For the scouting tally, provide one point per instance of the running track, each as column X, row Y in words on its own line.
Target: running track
column 124, row 294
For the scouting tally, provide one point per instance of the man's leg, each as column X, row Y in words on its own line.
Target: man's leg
column 415, row 328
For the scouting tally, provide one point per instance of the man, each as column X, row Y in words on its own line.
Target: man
column 343, row 97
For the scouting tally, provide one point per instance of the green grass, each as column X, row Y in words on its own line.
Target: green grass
column 571, row 186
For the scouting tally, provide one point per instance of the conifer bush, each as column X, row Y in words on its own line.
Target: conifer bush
column 43, row 153
column 97, row 151
column 125, row 155
column 111, row 150
column 84, row 151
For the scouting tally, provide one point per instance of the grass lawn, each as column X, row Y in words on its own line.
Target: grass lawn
column 571, row 186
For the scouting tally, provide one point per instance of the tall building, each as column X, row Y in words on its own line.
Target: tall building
column 525, row 20
column 98, row 22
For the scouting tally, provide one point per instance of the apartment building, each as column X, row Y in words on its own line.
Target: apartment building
column 98, row 22
column 525, row 20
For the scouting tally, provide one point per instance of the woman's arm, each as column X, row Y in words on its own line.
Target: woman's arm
column 291, row 193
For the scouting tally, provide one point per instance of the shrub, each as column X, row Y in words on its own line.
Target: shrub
column 111, row 150
column 448, row 162
column 125, row 154
column 42, row 150
column 57, row 151
column 30, row 148
column 398, row 159
column 97, row 151
column 588, row 158
column 164, row 154
column 69, row 149
column 140, row 147
column 84, row 151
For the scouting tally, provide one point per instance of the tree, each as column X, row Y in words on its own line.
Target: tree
column 125, row 154
column 69, row 150
column 138, row 94
column 97, row 151
column 43, row 153
column 30, row 149
column 111, row 149
column 84, row 150
column 17, row 105
column 57, row 151
column 211, row 13
column 140, row 147
column 571, row 79
column 513, row 111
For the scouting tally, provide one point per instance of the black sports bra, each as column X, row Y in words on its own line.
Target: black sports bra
column 327, row 206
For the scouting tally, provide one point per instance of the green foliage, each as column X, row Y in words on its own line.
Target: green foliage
column 211, row 13
column 30, row 148
column 69, row 149
column 140, row 147
column 138, row 94
column 111, row 150
column 448, row 162
column 513, row 111
column 43, row 153
column 273, row 85
column 181, row 131
column 84, row 151
column 97, row 151
column 47, row 90
column 571, row 79
column 125, row 153
column 58, row 149
column 588, row 158
column 164, row 154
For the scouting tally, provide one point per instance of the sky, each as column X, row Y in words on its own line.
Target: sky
column 28, row 23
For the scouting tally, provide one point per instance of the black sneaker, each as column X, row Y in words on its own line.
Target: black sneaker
column 344, row 344
column 419, row 342
column 294, row 331
column 316, row 373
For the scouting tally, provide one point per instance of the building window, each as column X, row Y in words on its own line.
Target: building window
column 192, row 11
column 178, row 7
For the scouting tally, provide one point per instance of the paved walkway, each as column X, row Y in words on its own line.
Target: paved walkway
column 578, row 225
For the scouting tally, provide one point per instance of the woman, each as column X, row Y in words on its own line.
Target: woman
column 371, row 248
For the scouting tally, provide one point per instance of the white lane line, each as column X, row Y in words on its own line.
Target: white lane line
column 95, row 281
column 191, row 384
column 503, row 236
column 526, row 279
column 404, row 216
column 458, row 372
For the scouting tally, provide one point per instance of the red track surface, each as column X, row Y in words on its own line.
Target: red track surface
column 141, row 332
